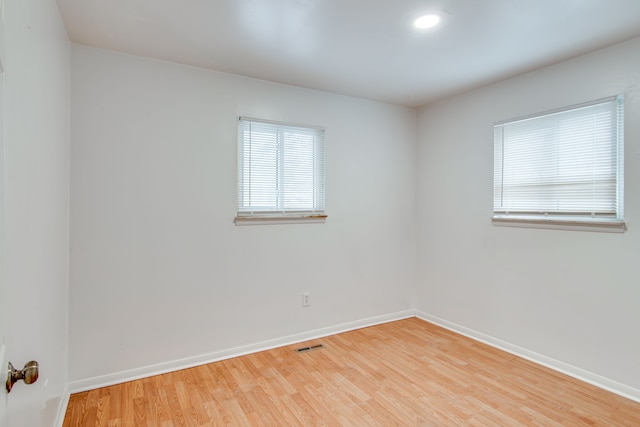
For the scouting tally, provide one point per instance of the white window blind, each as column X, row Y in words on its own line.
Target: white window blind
column 566, row 164
column 280, row 169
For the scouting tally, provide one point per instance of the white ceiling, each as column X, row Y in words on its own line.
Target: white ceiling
column 362, row 48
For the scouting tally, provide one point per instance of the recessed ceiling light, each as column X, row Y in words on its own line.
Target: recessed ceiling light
column 427, row 21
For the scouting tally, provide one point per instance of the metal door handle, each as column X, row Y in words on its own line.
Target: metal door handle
column 29, row 374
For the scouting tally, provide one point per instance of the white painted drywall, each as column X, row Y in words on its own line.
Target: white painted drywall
column 159, row 271
column 36, row 210
column 572, row 296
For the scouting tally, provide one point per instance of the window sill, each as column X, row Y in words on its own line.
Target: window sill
column 604, row 226
column 280, row 219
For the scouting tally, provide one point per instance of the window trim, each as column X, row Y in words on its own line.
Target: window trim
column 601, row 225
column 279, row 219
column 248, row 217
column 566, row 221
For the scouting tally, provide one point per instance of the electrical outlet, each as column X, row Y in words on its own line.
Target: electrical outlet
column 306, row 299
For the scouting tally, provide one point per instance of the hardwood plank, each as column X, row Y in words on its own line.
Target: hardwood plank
column 404, row 373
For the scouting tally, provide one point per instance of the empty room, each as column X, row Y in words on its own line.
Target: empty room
column 320, row 212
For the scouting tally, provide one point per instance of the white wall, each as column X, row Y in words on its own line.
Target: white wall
column 36, row 179
column 156, row 259
column 568, row 295
column 158, row 267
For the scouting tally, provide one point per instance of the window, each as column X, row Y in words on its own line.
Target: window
column 280, row 172
column 561, row 169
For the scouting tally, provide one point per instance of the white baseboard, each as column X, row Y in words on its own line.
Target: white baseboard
column 62, row 407
column 573, row 371
column 175, row 365
column 189, row 362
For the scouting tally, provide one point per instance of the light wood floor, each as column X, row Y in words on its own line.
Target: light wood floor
column 404, row 373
